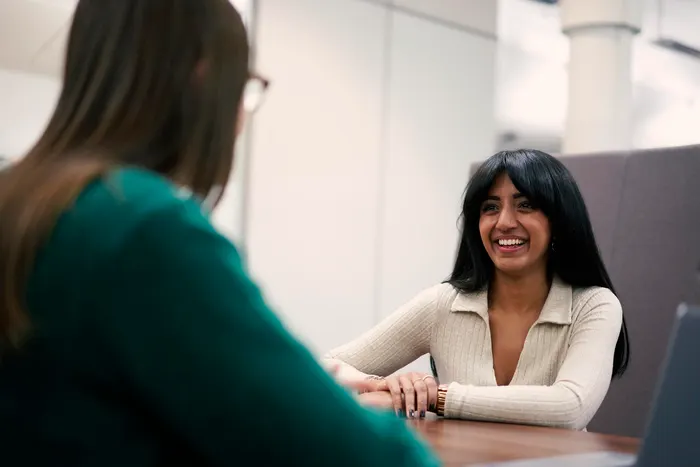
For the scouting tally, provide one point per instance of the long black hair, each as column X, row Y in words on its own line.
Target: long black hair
column 550, row 186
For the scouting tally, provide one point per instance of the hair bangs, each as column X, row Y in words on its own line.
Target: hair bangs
column 531, row 178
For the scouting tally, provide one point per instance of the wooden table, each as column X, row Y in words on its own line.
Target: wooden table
column 462, row 443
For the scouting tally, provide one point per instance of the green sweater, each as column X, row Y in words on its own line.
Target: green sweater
column 152, row 347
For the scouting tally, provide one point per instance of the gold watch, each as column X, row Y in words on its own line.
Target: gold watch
column 441, row 398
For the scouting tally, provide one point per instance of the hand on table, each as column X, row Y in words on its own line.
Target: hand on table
column 409, row 394
column 413, row 394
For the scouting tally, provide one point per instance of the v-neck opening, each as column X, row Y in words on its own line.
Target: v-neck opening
column 520, row 356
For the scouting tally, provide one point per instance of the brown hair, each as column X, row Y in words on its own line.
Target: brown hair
column 149, row 83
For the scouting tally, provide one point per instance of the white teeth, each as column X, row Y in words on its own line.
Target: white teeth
column 510, row 242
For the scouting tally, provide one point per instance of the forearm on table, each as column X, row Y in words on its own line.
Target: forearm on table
column 560, row 405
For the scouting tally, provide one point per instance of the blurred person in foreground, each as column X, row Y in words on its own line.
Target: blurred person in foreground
column 130, row 333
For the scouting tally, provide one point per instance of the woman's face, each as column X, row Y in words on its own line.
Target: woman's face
column 516, row 236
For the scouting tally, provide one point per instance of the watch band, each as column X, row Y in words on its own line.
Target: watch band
column 441, row 399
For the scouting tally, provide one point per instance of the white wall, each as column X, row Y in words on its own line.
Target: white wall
column 532, row 80
column 314, row 165
column 667, row 97
column 440, row 121
column 26, row 103
column 361, row 153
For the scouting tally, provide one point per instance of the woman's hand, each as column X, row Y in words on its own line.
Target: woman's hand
column 354, row 381
column 413, row 394
column 410, row 394
column 377, row 399
column 372, row 391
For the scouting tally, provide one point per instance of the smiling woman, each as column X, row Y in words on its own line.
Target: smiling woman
column 527, row 329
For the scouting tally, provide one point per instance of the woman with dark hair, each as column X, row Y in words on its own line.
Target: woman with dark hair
column 130, row 333
column 526, row 330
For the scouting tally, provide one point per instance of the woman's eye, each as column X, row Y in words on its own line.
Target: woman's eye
column 488, row 208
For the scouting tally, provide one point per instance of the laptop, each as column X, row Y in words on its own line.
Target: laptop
column 672, row 436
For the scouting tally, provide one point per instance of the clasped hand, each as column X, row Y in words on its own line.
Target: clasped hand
column 410, row 395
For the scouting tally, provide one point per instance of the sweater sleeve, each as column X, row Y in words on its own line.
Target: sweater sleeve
column 581, row 383
column 397, row 340
column 192, row 338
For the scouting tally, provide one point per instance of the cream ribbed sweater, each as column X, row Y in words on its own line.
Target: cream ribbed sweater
column 561, row 378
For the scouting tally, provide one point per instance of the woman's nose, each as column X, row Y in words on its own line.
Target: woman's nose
column 506, row 220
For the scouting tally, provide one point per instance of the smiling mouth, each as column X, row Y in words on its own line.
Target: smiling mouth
column 510, row 244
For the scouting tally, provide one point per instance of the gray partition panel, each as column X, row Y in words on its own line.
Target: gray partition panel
column 655, row 258
column 600, row 180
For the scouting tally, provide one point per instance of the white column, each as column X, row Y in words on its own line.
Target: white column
column 601, row 34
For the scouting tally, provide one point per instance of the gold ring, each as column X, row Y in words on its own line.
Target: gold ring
column 423, row 378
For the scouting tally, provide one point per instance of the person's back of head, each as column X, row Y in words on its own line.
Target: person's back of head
column 154, row 84
column 146, row 345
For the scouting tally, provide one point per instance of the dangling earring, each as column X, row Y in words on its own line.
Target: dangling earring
column 552, row 245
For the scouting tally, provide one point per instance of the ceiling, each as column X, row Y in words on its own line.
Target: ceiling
column 33, row 34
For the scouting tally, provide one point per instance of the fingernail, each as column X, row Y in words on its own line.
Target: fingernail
column 422, row 414
column 412, row 413
column 401, row 414
column 432, row 408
